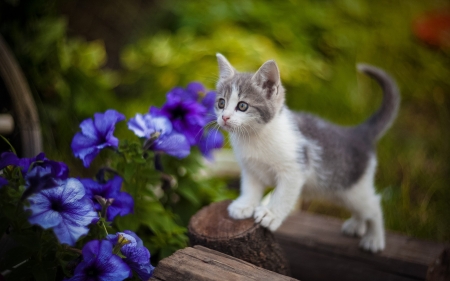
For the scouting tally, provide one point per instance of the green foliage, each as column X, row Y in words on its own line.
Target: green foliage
column 317, row 45
column 164, row 201
column 65, row 74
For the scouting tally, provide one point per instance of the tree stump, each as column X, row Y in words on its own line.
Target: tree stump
column 243, row 239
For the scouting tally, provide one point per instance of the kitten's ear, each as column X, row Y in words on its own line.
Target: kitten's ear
column 225, row 69
column 268, row 77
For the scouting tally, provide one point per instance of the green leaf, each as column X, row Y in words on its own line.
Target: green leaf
column 128, row 222
column 190, row 192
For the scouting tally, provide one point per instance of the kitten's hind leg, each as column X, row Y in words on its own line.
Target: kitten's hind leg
column 251, row 194
column 367, row 216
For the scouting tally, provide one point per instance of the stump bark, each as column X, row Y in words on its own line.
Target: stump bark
column 213, row 228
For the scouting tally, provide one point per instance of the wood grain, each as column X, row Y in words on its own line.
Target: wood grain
column 203, row 264
column 316, row 250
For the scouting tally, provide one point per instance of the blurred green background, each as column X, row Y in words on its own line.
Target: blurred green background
column 82, row 57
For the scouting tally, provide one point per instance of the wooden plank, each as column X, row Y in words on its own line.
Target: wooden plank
column 203, row 264
column 317, row 250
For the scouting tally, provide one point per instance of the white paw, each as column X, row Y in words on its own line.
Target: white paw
column 241, row 210
column 267, row 218
column 372, row 243
column 354, row 227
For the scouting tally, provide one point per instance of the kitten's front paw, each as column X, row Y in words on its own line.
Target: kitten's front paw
column 267, row 218
column 372, row 243
column 240, row 210
column 354, row 227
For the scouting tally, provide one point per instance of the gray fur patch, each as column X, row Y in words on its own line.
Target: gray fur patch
column 344, row 151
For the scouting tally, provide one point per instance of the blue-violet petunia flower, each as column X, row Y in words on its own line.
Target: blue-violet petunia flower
column 9, row 158
column 64, row 208
column 3, row 182
column 210, row 140
column 136, row 254
column 185, row 113
column 43, row 171
column 208, row 102
column 39, row 178
column 95, row 135
column 166, row 139
column 123, row 203
column 100, row 263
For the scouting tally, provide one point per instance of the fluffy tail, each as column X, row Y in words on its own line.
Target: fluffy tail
column 380, row 121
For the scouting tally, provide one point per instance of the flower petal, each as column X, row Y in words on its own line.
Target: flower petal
column 122, row 205
column 193, row 89
column 8, row 158
column 68, row 233
column 105, row 122
column 46, row 219
column 209, row 100
column 112, row 187
column 3, row 181
column 97, row 249
column 139, row 126
column 159, row 123
column 73, row 190
column 213, row 139
column 139, row 241
column 80, row 212
column 173, row 144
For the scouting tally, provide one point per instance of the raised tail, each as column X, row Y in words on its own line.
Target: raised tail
column 380, row 121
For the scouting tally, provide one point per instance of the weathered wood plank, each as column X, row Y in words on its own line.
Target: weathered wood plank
column 203, row 264
column 317, row 250
column 439, row 270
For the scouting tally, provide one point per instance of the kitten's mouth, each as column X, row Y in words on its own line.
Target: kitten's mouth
column 227, row 127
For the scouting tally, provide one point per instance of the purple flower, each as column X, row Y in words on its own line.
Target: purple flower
column 39, row 178
column 165, row 139
column 95, row 135
column 3, row 182
column 210, row 140
column 208, row 102
column 99, row 263
column 64, row 208
column 123, row 202
column 136, row 254
column 11, row 159
column 43, row 174
column 183, row 110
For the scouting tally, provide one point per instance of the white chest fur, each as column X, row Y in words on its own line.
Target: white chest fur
column 271, row 151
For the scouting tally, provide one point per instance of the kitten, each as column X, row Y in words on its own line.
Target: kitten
column 301, row 153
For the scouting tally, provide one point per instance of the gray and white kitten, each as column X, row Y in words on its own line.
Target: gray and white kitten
column 300, row 153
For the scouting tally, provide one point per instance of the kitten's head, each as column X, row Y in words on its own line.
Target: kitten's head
column 245, row 102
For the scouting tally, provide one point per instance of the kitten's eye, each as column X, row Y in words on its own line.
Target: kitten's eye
column 242, row 106
column 221, row 103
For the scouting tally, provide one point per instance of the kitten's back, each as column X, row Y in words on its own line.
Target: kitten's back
column 343, row 151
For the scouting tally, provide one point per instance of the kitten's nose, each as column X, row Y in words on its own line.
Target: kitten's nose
column 225, row 118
